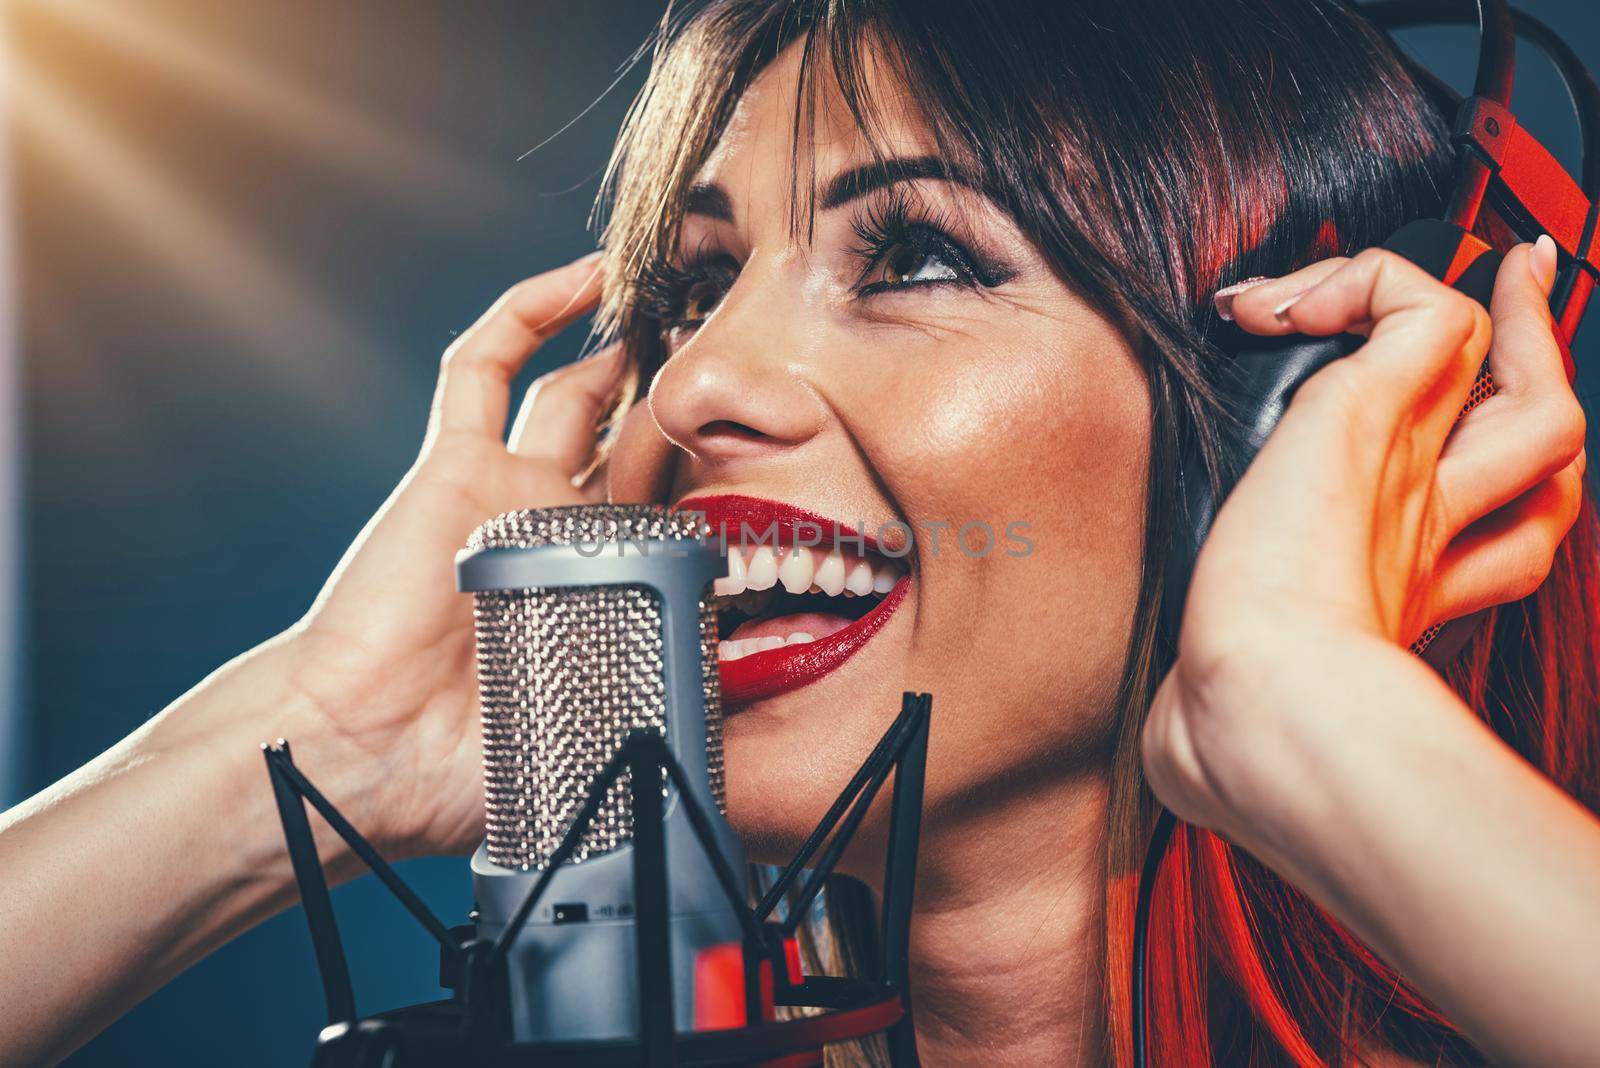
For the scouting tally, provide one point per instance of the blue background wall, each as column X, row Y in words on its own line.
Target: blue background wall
column 244, row 234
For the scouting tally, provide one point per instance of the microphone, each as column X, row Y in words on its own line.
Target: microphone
column 612, row 922
column 592, row 621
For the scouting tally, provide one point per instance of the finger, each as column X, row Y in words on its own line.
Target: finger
column 1500, row 451
column 1533, row 425
column 1251, row 306
column 1506, row 555
column 1424, row 348
column 474, row 391
column 1348, row 293
column 1524, row 357
column 559, row 418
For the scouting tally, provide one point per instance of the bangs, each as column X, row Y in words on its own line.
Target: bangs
column 1138, row 146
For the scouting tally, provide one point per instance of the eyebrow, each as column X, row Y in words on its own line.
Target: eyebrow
column 712, row 201
column 853, row 184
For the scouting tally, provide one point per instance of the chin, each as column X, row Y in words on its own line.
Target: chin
column 789, row 755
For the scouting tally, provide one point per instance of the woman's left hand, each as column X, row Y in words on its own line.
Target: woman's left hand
column 1371, row 514
column 1296, row 723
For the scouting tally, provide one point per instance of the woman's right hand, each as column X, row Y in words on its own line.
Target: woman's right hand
column 385, row 654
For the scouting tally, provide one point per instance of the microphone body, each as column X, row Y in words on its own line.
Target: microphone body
column 591, row 621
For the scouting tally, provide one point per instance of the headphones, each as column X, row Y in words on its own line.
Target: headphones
column 1497, row 162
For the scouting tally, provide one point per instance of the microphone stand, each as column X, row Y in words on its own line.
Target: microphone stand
column 473, row 1027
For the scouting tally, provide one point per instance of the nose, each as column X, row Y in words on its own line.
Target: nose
column 737, row 389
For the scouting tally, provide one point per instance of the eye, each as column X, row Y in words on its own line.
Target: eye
column 700, row 301
column 700, row 298
column 680, row 298
column 907, row 262
column 901, row 244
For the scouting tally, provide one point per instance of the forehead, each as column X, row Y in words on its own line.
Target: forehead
column 783, row 126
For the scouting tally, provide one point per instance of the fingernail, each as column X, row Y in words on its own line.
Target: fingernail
column 1223, row 298
column 1281, row 312
column 1543, row 262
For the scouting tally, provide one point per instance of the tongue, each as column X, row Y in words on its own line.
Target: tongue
column 817, row 624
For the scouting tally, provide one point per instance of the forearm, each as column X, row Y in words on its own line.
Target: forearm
column 130, row 869
column 1459, row 863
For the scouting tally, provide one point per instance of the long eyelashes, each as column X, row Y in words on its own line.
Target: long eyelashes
column 894, row 222
column 661, row 290
column 901, row 243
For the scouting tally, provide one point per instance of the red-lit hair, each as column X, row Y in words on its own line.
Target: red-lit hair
column 1299, row 989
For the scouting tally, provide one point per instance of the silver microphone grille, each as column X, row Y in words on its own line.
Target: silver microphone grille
column 565, row 672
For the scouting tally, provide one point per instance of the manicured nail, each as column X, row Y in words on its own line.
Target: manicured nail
column 1281, row 312
column 1543, row 262
column 1223, row 299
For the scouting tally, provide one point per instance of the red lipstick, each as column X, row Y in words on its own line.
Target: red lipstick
column 750, row 520
column 741, row 520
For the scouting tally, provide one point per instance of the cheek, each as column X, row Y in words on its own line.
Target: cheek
column 1001, row 411
column 639, row 468
column 1033, row 419
column 1044, row 433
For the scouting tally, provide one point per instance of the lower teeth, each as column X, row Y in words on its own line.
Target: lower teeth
column 739, row 648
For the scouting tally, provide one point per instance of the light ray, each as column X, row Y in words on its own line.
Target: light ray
column 403, row 168
column 329, row 361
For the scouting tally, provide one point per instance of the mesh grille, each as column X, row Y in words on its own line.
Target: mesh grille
column 564, row 674
column 1482, row 390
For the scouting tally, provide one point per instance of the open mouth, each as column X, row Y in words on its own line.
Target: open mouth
column 803, row 594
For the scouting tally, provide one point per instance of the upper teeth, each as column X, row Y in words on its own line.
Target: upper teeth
column 859, row 581
column 803, row 568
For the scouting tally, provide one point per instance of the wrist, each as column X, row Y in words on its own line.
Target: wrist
column 1284, row 730
column 399, row 747
column 217, row 729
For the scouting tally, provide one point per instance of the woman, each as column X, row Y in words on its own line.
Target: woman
column 944, row 264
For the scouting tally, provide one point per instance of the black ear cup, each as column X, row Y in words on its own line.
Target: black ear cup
column 1261, row 377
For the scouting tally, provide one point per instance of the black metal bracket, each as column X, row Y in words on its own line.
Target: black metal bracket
column 477, row 1024
column 1530, row 186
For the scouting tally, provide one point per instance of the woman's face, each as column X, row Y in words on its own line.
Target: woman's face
column 911, row 364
